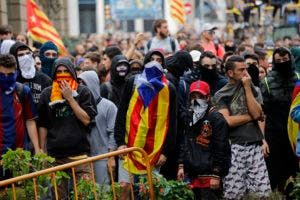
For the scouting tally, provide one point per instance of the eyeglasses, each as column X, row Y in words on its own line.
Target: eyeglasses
column 210, row 66
column 23, row 54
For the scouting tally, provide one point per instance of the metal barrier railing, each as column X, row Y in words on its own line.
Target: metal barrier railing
column 72, row 165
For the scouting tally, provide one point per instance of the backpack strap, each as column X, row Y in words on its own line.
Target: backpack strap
column 266, row 82
column 173, row 45
column 149, row 44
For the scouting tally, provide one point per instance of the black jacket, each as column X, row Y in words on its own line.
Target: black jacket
column 205, row 148
column 120, row 124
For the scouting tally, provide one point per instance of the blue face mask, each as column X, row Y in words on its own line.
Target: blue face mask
column 47, row 65
column 8, row 83
column 153, row 72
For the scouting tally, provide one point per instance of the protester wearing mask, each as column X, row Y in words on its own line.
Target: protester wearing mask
column 152, row 98
column 113, row 89
column 240, row 104
column 252, row 67
column 48, row 54
column 204, row 153
column 17, row 110
column 277, row 89
column 207, row 71
column 66, row 114
column 27, row 72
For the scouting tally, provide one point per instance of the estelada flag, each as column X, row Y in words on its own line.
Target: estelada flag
column 177, row 10
column 146, row 128
column 41, row 29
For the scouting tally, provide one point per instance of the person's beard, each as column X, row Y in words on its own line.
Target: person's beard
column 162, row 35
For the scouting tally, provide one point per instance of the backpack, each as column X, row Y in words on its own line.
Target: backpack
column 172, row 43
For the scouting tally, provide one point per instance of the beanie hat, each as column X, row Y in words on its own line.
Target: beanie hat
column 48, row 46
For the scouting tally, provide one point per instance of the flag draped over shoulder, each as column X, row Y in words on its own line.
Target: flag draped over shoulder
column 146, row 127
column 293, row 127
column 41, row 29
column 177, row 10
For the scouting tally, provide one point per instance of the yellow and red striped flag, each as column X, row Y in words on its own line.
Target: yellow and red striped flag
column 41, row 29
column 177, row 10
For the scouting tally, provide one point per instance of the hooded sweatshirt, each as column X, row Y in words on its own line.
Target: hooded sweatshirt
column 47, row 63
column 113, row 89
column 157, row 52
column 39, row 82
column 6, row 45
column 67, row 135
column 102, row 135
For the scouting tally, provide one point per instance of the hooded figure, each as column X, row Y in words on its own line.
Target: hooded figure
column 284, row 69
column 47, row 62
column 64, row 124
column 277, row 89
column 296, row 53
column 113, row 89
column 6, row 45
column 66, row 133
column 156, row 52
column 177, row 64
column 102, row 135
column 27, row 73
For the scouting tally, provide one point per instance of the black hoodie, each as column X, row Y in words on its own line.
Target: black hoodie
column 113, row 89
column 150, row 53
column 39, row 82
column 66, row 134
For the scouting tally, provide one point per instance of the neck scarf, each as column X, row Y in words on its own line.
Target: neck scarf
column 56, row 95
column 149, row 83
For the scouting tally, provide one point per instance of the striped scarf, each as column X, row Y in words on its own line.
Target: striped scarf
column 56, row 95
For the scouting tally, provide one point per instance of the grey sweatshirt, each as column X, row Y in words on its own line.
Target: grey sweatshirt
column 102, row 135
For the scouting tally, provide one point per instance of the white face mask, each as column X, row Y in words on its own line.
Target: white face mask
column 26, row 65
column 122, row 70
column 199, row 107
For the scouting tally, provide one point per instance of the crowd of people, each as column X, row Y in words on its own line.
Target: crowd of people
column 212, row 114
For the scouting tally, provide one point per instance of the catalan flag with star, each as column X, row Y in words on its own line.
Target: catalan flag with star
column 147, row 126
column 41, row 29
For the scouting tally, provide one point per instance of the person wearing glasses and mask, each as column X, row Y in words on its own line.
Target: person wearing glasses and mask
column 207, row 40
column 28, row 74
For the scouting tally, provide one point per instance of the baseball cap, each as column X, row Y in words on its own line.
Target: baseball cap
column 195, row 55
column 208, row 27
column 201, row 87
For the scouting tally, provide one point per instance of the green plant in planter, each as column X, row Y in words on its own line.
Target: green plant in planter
column 165, row 190
column 295, row 193
column 85, row 190
column 21, row 162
